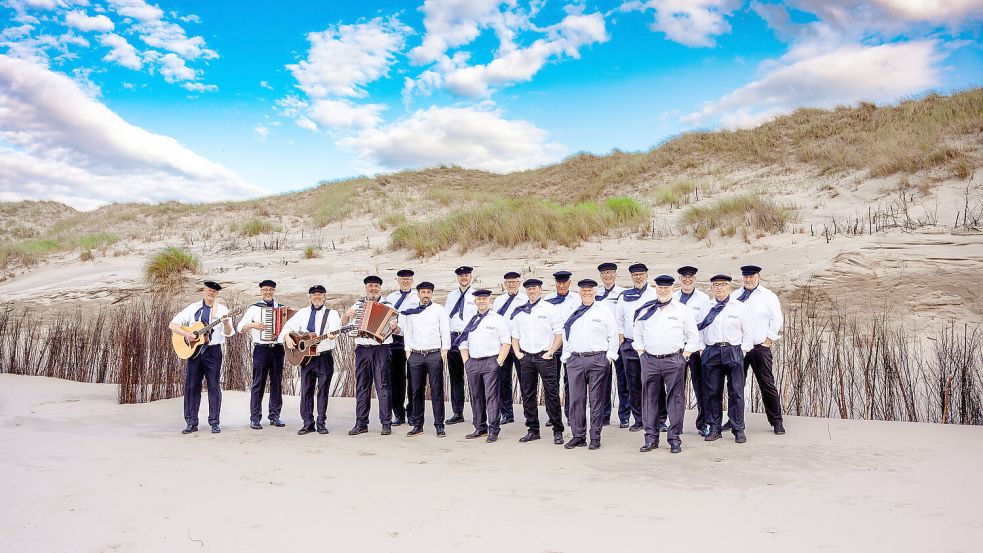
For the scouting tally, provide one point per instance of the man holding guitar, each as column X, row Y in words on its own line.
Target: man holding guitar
column 316, row 372
column 205, row 356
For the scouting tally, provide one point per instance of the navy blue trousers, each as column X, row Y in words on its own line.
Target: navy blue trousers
column 207, row 366
column 505, row 385
column 267, row 364
column 373, row 364
column 315, row 383
column 720, row 362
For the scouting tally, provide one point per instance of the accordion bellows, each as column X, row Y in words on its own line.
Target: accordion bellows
column 274, row 318
column 374, row 320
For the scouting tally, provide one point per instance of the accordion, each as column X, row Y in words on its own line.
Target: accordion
column 372, row 320
column 274, row 318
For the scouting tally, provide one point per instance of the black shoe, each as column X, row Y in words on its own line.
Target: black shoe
column 740, row 437
column 663, row 427
column 675, row 448
column 491, row 439
column 704, row 431
column 727, row 426
column 575, row 442
column 305, row 430
column 594, row 444
column 506, row 420
column 416, row 430
column 530, row 436
column 441, row 433
column 356, row 430
column 399, row 422
column 623, row 424
column 215, row 429
column 190, row 428
column 549, row 423
column 649, row 447
column 605, row 423
column 635, row 427
column 321, row 429
column 558, row 438
column 277, row 423
column 476, row 434
column 779, row 429
column 255, row 425
column 711, row 436
column 455, row 419
column 386, row 430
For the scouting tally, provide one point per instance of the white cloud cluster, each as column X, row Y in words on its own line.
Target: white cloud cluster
column 79, row 20
column 693, row 23
column 57, row 142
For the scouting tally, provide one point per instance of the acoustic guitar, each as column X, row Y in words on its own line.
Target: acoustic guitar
column 306, row 343
column 189, row 348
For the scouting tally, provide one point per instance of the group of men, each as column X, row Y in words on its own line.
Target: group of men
column 644, row 339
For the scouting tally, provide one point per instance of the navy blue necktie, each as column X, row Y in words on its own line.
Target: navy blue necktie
column 416, row 310
column 745, row 293
column 714, row 311
column 652, row 307
column 459, row 305
column 558, row 299
column 577, row 313
column 504, row 309
column 473, row 324
column 310, row 322
column 204, row 314
column 634, row 294
column 527, row 309
column 684, row 297
column 402, row 296
column 603, row 296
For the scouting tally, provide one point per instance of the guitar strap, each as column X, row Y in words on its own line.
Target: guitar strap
column 324, row 322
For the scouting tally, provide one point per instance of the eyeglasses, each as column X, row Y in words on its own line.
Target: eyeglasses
column 720, row 284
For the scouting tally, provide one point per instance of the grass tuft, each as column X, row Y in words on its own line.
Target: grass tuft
column 311, row 252
column 170, row 264
column 750, row 211
column 254, row 227
column 676, row 193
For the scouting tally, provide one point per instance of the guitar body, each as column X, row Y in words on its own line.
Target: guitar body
column 185, row 350
column 301, row 355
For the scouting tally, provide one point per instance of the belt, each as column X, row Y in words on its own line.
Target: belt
column 666, row 355
column 426, row 351
column 524, row 352
column 721, row 344
column 268, row 345
column 369, row 346
column 482, row 358
column 587, row 353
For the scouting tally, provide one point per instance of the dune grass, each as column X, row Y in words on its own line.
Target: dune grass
column 510, row 222
column 675, row 193
column 29, row 252
column 169, row 264
column 256, row 226
column 312, row 252
column 748, row 212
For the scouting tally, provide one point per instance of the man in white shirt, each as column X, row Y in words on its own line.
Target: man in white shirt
column 631, row 299
column 696, row 300
column 403, row 298
column 373, row 362
column 484, row 343
column 427, row 336
column 665, row 336
column 726, row 337
column 537, row 334
column 608, row 293
column 208, row 364
column 267, row 359
column 590, row 345
column 460, row 306
column 315, row 376
column 505, row 305
column 565, row 302
column 764, row 315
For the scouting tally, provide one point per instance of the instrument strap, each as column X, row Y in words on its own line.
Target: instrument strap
column 324, row 321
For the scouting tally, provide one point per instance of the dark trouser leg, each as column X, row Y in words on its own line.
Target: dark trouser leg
column 397, row 381
column 308, row 384
column 663, row 413
column 276, row 382
column 324, row 370
column 732, row 365
column 381, row 372
column 597, row 371
column 607, row 402
column 577, row 368
column 363, row 385
column 490, row 374
column 713, row 379
column 435, row 373
column 479, row 417
column 261, row 370
column 551, row 391
column 651, row 380
column 417, row 369
column 505, row 385
column 455, row 374
column 192, row 390
column 624, row 405
column 561, row 370
column 529, row 387
column 633, row 371
column 674, row 377
column 212, row 361
column 759, row 359
column 695, row 364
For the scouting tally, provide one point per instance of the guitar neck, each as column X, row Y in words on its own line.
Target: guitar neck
column 323, row 337
column 217, row 322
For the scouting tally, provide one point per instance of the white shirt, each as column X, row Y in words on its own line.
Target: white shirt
column 595, row 330
column 412, row 300
column 488, row 337
column 361, row 340
column 426, row 330
column 537, row 329
column 255, row 315
column 460, row 319
column 729, row 326
column 570, row 303
column 520, row 299
column 187, row 317
column 668, row 330
column 625, row 312
column 695, row 302
column 763, row 312
column 298, row 323
column 610, row 299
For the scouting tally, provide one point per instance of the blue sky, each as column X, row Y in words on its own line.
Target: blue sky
column 129, row 100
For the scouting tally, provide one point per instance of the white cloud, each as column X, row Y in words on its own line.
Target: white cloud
column 173, row 69
column 845, row 75
column 689, row 22
column 79, row 20
column 937, row 11
column 343, row 114
column 155, row 32
column 58, row 143
column 266, row 85
column 453, row 23
column 262, row 131
column 469, row 137
column 137, row 9
column 121, row 52
column 199, row 87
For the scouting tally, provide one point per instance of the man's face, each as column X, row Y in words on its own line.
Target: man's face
column 425, row 294
column 210, row 295
column 638, row 279
column 688, row 283
column 373, row 291
column 405, row 283
column 534, row 293
column 267, row 292
column 607, row 277
column 663, row 292
column 464, row 280
column 562, row 288
column 587, row 295
column 482, row 303
column 512, row 286
column 751, row 281
column 721, row 289
column 317, row 299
